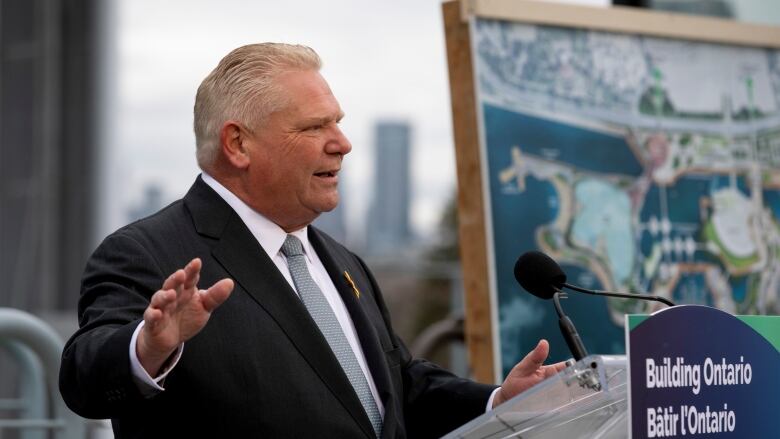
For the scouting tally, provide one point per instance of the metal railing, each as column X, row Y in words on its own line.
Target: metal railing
column 36, row 348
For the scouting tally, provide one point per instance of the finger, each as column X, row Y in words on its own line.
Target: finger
column 192, row 273
column 192, row 283
column 187, row 290
column 174, row 280
column 191, row 278
column 553, row 369
column 161, row 299
column 534, row 359
column 162, row 304
column 217, row 294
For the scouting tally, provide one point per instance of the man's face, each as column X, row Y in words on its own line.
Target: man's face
column 295, row 156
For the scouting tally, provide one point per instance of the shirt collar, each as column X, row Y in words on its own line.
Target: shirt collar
column 268, row 234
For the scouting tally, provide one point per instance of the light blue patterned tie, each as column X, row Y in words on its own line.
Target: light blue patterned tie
column 326, row 320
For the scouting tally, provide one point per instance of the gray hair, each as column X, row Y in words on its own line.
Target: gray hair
column 242, row 87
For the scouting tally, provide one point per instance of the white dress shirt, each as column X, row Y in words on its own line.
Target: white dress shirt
column 270, row 237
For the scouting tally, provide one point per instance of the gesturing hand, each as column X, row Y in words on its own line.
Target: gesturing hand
column 176, row 313
column 527, row 373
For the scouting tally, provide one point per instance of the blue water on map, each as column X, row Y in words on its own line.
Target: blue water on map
column 646, row 242
column 585, row 149
column 515, row 217
column 772, row 200
column 683, row 199
column 739, row 288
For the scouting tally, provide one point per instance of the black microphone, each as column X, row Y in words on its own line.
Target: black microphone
column 541, row 276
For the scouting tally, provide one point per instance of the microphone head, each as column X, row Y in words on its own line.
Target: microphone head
column 539, row 274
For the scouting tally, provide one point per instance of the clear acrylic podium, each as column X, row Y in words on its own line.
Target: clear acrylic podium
column 587, row 399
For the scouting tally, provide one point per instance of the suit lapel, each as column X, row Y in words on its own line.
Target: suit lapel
column 249, row 266
column 369, row 341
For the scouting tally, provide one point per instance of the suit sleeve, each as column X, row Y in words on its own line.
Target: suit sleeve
column 95, row 376
column 435, row 401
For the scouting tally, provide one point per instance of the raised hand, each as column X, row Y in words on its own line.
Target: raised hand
column 176, row 313
column 527, row 373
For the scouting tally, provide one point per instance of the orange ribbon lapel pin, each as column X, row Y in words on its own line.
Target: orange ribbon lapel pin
column 352, row 284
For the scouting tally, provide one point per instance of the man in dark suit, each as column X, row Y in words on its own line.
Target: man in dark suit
column 292, row 337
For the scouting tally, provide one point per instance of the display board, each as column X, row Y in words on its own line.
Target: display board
column 639, row 149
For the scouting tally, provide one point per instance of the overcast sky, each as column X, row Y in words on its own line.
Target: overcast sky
column 382, row 59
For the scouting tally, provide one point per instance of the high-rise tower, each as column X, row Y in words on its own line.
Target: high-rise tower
column 388, row 228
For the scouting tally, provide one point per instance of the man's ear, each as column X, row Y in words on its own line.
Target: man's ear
column 232, row 142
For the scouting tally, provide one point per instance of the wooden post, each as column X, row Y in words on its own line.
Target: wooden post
column 473, row 248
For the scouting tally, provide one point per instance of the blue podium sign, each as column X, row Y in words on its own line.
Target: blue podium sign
column 696, row 371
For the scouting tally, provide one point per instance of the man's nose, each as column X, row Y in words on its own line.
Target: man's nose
column 339, row 144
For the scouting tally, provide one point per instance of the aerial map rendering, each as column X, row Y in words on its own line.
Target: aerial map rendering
column 642, row 165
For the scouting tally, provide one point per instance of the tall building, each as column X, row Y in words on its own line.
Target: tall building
column 47, row 150
column 389, row 227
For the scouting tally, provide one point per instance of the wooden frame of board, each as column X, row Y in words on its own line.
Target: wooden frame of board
column 481, row 320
